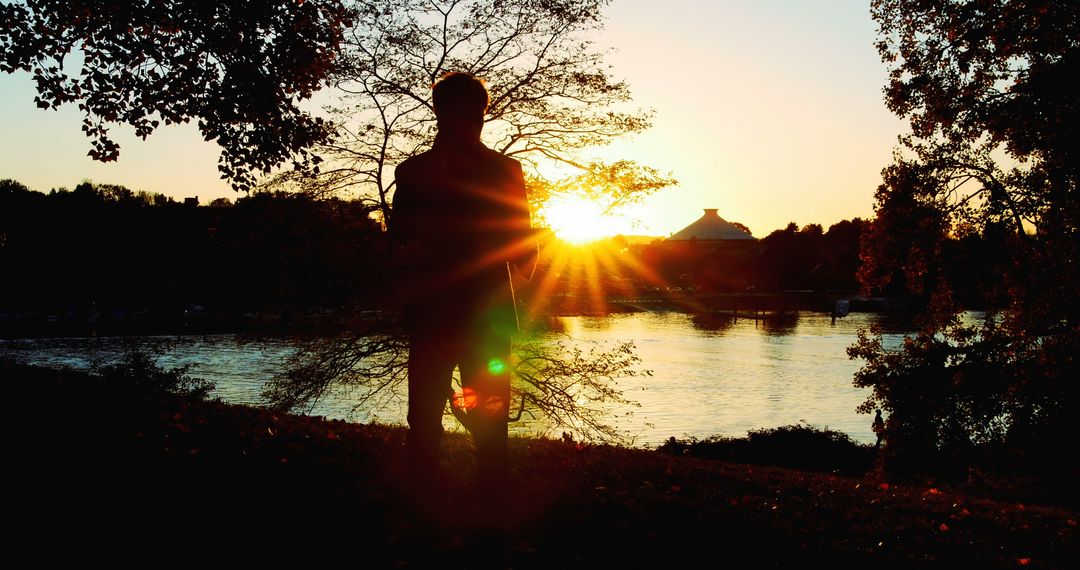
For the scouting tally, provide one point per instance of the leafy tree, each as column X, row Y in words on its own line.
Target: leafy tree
column 990, row 91
column 842, row 243
column 742, row 227
column 9, row 186
column 241, row 69
column 286, row 251
column 791, row 257
column 279, row 254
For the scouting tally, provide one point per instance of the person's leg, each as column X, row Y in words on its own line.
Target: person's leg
column 431, row 365
column 486, row 372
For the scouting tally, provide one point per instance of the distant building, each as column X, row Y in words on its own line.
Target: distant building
column 709, row 255
column 191, row 201
column 711, row 232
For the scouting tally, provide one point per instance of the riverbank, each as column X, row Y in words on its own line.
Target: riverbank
column 101, row 473
column 711, row 375
column 195, row 319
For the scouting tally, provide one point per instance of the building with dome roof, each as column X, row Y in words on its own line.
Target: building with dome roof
column 711, row 232
column 709, row 255
column 711, row 227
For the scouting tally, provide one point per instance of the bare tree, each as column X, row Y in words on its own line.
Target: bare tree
column 552, row 100
column 552, row 96
column 565, row 385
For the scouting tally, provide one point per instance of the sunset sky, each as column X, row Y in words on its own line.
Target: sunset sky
column 770, row 111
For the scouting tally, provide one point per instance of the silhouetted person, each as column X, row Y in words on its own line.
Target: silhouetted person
column 878, row 427
column 462, row 221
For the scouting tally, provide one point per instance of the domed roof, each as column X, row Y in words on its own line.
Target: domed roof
column 710, row 226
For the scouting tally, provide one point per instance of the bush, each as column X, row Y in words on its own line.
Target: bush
column 793, row 446
column 138, row 371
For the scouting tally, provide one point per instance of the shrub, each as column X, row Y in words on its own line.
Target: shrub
column 140, row 372
column 794, row 446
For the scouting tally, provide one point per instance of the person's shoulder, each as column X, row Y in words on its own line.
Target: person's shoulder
column 492, row 154
column 504, row 162
column 412, row 164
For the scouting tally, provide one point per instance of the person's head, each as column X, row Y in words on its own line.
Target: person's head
column 878, row 411
column 460, row 101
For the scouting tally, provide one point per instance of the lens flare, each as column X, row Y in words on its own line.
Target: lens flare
column 465, row 399
column 496, row 366
column 579, row 220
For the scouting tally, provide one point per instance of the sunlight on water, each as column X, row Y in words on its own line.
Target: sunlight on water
column 711, row 375
column 723, row 375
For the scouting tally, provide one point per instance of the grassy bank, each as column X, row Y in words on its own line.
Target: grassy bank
column 100, row 472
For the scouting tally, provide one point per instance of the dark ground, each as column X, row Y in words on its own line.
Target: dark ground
column 96, row 473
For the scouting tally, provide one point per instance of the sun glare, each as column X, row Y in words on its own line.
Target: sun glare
column 578, row 220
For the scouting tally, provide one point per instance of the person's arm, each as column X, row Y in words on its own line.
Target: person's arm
column 526, row 247
column 397, row 226
column 400, row 228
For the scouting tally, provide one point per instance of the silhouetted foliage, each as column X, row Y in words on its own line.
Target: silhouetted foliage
column 139, row 373
column 795, row 446
column 990, row 91
column 800, row 259
column 552, row 96
column 9, row 186
column 566, row 385
column 239, row 68
column 571, row 385
column 336, row 492
column 290, row 250
column 129, row 261
column 145, row 263
column 790, row 258
column 368, row 362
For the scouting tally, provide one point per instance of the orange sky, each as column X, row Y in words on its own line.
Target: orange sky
column 770, row 111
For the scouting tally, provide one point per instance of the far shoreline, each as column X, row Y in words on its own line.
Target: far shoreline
column 198, row 320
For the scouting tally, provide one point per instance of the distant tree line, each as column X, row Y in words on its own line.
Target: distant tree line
column 106, row 254
column 130, row 261
column 815, row 259
column 790, row 258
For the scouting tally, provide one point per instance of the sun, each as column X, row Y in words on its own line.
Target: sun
column 579, row 220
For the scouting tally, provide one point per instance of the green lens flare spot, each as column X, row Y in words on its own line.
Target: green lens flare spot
column 496, row 366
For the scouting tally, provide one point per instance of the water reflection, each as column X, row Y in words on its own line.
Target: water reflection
column 715, row 323
column 712, row 374
column 780, row 323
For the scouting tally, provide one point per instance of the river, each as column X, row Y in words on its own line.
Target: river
column 710, row 376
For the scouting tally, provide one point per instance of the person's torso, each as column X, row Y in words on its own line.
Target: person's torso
column 456, row 211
